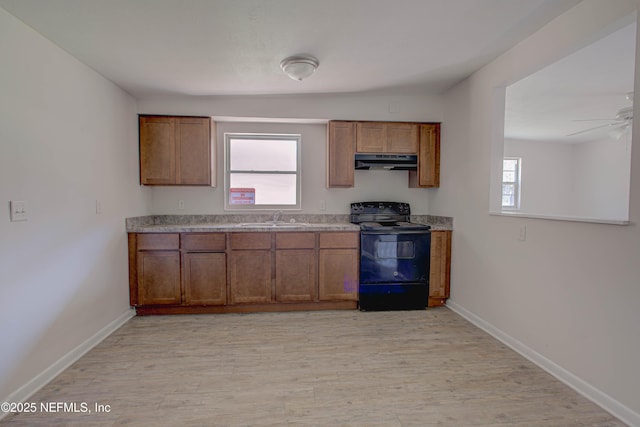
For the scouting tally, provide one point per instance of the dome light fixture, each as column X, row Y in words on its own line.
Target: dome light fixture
column 299, row 67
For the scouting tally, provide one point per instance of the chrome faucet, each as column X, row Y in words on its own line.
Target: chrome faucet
column 276, row 215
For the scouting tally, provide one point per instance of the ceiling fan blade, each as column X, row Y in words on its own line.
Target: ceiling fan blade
column 595, row 120
column 594, row 128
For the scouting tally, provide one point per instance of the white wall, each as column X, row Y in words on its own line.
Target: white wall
column 602, row 177
column 67, row 138
column 568, row 295
column 547, row 175
column 586, row 180
column 369, row 185
column 329, row 106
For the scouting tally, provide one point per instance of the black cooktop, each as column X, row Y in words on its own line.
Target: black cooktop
column 384, row 216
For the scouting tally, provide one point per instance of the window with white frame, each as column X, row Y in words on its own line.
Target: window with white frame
column 262, row 171
column 511, row 183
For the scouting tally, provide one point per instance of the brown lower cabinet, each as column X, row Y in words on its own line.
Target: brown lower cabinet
column 204, row 268
column 440, row 267
column 338, row 260
column 159, row 277
column 250, row 275
column 250, row 268
column 204, row 278
column 296, row 267
column 242, row 271
column 155, row 269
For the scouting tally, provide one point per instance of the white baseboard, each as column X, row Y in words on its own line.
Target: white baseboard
column 603, row 400
column 40, row 380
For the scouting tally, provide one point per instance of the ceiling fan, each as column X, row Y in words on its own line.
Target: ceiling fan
column 620, row 123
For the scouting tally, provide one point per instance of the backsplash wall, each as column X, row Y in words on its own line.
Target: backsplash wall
column 369, row 185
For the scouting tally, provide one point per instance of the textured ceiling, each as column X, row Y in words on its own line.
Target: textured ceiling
column 577, row 98
column 234, row 47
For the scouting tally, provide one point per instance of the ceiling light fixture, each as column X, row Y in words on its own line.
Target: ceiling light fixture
column 299, row 67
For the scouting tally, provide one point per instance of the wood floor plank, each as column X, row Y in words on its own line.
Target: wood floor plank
column 320, row 368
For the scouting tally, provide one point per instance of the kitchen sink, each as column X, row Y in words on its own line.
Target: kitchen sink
column 274, row 224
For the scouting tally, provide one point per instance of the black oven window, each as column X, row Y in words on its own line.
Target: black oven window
column 395, row 250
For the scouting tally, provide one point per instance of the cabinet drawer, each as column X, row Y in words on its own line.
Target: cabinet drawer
column 157, row 241
column 339, row 240
column 250, row 241
column 203, row 241
column 295, row 240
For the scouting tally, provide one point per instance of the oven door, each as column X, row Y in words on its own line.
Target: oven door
column 394, row 270
column 398, row 256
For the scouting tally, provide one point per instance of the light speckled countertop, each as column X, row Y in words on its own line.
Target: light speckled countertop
column 231, row 227
column 231, row 223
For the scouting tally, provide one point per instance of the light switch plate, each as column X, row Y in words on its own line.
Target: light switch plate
column 18, row 210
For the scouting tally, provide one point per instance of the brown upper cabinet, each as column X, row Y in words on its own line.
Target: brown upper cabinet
column 176, row 150
column 387, row 137
column 345, row 138
column 341, row 148
column 428, row 173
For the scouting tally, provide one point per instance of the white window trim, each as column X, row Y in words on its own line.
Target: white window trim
column 517, row 186
column 266, row 136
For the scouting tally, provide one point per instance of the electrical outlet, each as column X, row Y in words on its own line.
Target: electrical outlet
column 522, row 235
column 181, row 204
column 323, row 205
column 98, row 207
column 18, row 210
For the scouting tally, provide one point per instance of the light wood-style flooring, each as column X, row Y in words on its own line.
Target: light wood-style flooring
column 331, row 368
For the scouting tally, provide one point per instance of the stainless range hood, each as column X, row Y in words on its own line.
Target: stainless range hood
column 386, row 161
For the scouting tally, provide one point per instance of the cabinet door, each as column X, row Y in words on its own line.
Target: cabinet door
column 371, row 137
column 296, row 275
column 250, row 276
column 338, row 274
column 440, row 274
column 157, row 150
column 194, row 151
column 158, row 277
column 402, row 138
column 341, row 145
column 205, row 278
column 428, row 173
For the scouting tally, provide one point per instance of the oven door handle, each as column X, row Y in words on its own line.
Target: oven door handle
column 388, row 232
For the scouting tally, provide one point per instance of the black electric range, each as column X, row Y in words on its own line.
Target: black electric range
column 394, row 257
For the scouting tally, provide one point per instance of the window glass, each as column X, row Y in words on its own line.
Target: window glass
column 269, row 189
column 262, row 171
column 511, row 183
column 263, row 155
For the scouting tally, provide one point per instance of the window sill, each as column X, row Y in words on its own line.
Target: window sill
column 561, row 218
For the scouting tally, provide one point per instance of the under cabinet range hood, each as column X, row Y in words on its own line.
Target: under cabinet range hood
column 386, row 161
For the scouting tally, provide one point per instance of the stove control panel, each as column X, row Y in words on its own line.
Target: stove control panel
column 392, row 208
